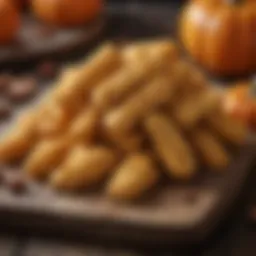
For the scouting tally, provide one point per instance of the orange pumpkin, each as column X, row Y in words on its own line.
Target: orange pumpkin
column 66, row 13
column 241, row 103
column 9, row 21
column 221, row 35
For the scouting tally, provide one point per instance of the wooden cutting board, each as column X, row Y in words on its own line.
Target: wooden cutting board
column 178, row 214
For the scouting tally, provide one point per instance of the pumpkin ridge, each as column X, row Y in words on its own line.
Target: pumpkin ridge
column 225, row 41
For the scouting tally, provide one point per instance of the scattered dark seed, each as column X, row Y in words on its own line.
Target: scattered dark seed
column 22, row 89
column 47, row 69
column 5, row 81
column 16, row 184
column 5, row 108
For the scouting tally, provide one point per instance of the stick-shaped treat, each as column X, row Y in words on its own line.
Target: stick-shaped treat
column 97, row 67
column 171, row 146
column 84, row 126
column 152, row 95
column 134, row 177
column 158, row 52
column 136, row 70
column 193, row 108
column 84, row 167
column 64, row 82
column 210, row 148
column 46, row 156
column 188, row 80
column 18, row 142
column 120, row 85
column 229, row 128
column 52, row 119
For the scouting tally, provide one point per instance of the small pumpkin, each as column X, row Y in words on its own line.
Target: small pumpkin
column 240, row 102
column 9, row 21
column 221, row 35
column 66, row 13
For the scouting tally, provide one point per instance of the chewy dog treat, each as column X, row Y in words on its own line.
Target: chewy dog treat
column 120, row 85
column 88, row 75
column 133, row 178
column 156, row 92
column 230, row 129
column 170, row 145
column 85, row 125
column 156, row 52
column 84, row 167
column 193, row 108
column 19, row 140
column 210, row 148
column 46, row 156
column 52, row 120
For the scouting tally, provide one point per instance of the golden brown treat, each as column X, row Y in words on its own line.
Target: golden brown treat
column 171, row 146
column 84, row 126
column 188, row 79
column 198, row 79
column 46, row 156
column 18, row 142
column 63, row 87
column 69, row 71
column 181, row 69
column 14, row 146
column 27, row 120
column 193, row 108
column 76, row 88
column 120, row 85
column 84, row 167
column 155, row 93
column 66, row 76
column 52, row 120
column 128, row 80
column 210, row 148
column 136, row 175
column 166, row 50
column 229, row 128
column 158, row 52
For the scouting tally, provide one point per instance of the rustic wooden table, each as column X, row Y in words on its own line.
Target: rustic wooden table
column 236, row 238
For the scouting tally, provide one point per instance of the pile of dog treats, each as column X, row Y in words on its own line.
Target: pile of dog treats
column 122, row 118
